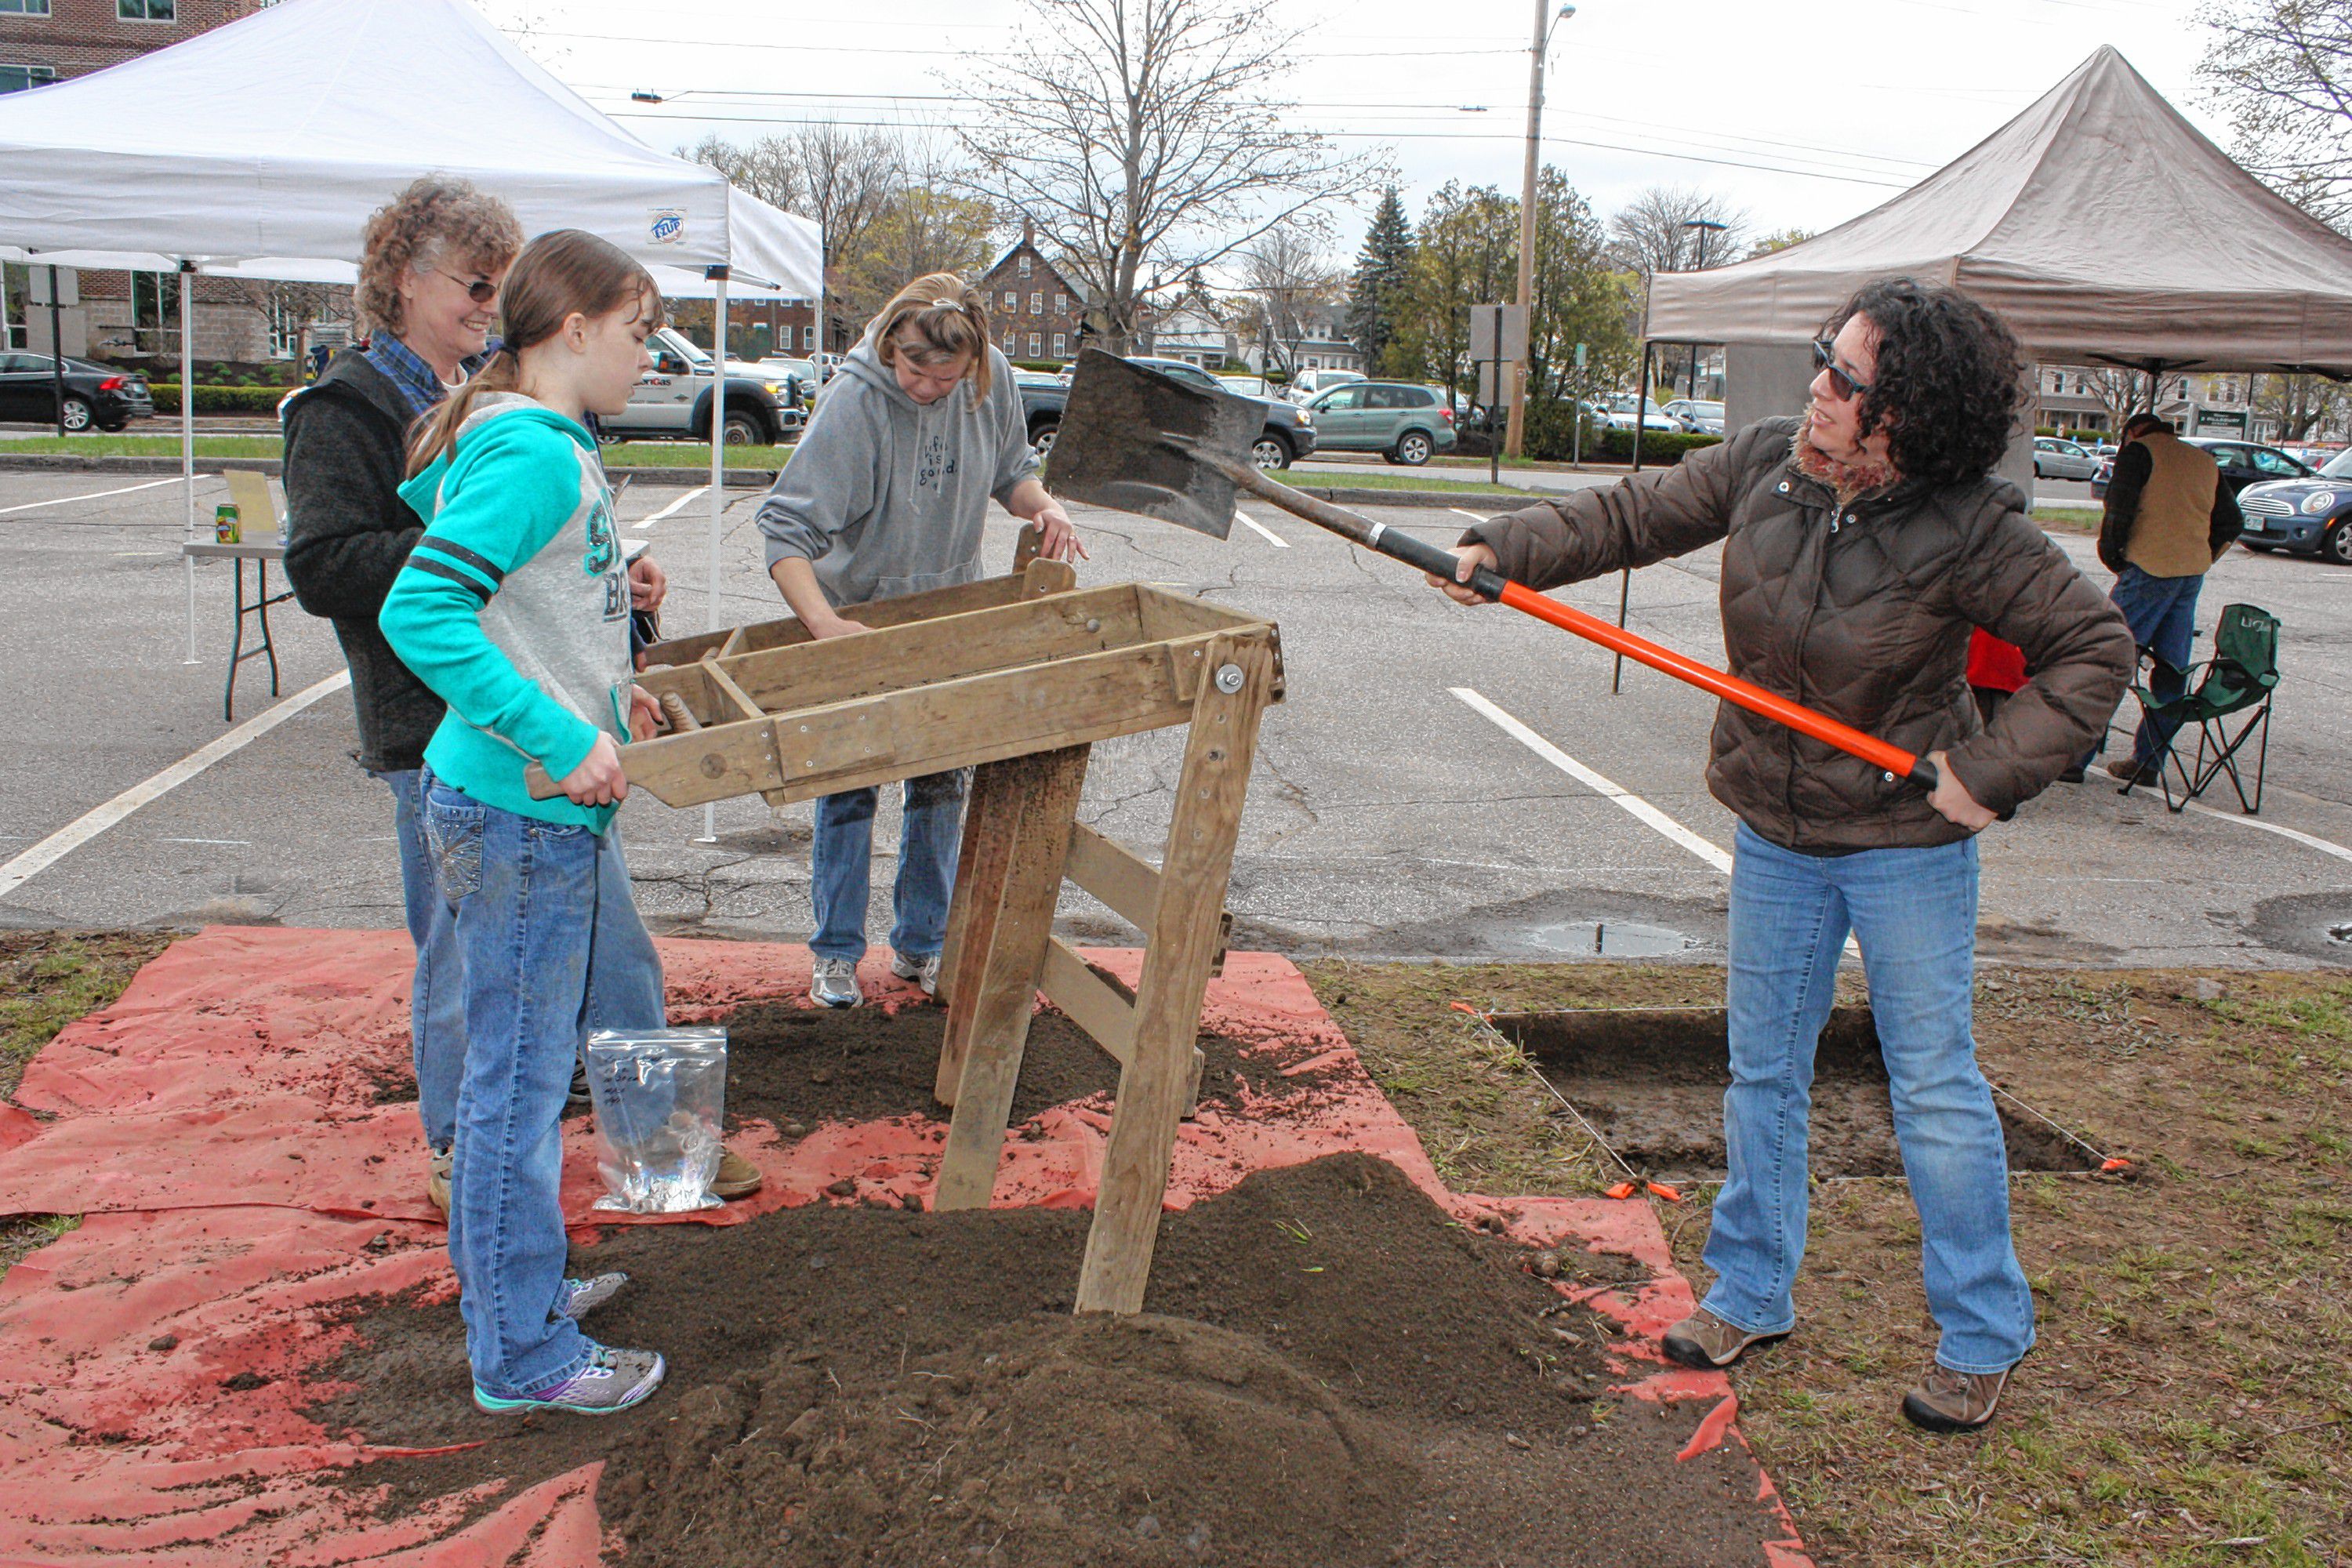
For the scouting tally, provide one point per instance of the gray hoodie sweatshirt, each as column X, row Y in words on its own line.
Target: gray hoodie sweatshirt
column 884, row 496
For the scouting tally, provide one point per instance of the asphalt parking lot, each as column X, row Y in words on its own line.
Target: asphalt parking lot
column 1394, row 810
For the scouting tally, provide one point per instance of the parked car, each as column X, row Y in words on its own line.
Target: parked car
column 2243, row 463
column 97, row 397
column 1402, row 421
column 1306, row 385
column 672, row 401
column 1620, row 411
column 2306, row 516
column 2055, row 458
column 1696, row 416
column 1289, row 432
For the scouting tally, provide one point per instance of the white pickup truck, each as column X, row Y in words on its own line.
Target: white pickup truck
column 672, row 401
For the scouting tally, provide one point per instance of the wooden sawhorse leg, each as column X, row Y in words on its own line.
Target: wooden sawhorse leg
column 1017, row 838
column 1159, row 1080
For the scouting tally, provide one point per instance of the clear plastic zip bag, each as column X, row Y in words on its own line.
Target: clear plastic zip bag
column 660, row 1098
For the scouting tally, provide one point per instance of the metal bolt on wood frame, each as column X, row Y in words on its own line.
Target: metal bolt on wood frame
column 1016, row 678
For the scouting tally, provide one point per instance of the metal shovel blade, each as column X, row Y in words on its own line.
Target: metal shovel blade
column 1129, row 439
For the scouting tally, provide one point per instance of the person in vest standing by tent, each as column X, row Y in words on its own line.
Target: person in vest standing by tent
column 2169, row 518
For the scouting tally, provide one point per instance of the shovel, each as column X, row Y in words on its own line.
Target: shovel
column 1135, row 440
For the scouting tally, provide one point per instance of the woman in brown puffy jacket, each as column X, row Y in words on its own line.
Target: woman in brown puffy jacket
column 1861, row 544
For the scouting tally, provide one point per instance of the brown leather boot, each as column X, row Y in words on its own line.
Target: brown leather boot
column 1948, row 1401
column 737, row 1177
column 1703, row 1340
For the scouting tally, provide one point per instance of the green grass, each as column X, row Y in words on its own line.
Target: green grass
column 2074, row 519
column 144, row 446
column 1309, row 479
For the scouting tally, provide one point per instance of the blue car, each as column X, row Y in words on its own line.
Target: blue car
column 2310, row 515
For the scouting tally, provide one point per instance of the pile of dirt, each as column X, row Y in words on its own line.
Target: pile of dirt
column 791, row 1064
column 1330, row 1372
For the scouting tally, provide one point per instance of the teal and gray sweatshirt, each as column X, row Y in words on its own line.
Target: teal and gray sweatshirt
column 514, row 606
column 886, row 496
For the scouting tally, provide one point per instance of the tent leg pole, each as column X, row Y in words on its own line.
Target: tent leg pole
column 717, row 481
column 188, row 442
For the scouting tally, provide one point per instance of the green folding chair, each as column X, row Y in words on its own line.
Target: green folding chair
column 2232, row 686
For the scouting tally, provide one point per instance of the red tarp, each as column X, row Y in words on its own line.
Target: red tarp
column 219, row 1127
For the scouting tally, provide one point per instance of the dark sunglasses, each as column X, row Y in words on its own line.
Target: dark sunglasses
column 1841, row 381
column 481, row 290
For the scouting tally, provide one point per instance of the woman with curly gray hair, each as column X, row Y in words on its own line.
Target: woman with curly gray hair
column 433, row 258
column 1861, row 542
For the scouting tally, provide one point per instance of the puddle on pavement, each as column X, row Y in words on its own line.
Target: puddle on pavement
column 1609, row 938
column 1650, row 1081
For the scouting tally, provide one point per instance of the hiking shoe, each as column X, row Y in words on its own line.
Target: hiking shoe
column 582, row 1297
column 1948, row 1401
column 924, row 971
column 1705, row 1340
column 612, row 1380
column 438, row 1164
column 580, row 1095
column 834, row 984
column 737, row 1177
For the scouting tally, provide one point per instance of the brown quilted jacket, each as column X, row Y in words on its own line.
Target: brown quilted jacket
column 1863, row 613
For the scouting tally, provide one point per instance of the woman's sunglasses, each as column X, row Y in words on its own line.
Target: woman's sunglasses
column 1841, row 381
column 481, row 290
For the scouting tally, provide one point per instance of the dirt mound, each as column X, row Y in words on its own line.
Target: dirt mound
column 1331, row 1371
column 788, row 1063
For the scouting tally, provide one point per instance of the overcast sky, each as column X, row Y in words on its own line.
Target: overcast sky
column 1801, row 115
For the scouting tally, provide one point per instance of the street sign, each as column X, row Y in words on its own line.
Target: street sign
column 1514, row 329
column 1579, row 356
column 2218, row 422
column 1490, row 395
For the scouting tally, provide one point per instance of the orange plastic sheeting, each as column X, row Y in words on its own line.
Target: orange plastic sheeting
column 224, row 1128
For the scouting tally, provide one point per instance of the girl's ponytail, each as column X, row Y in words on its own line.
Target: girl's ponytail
column 560, row 274
column 938, row 317
column 437, row 431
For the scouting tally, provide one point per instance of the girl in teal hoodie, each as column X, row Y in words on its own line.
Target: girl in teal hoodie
column 514, row 609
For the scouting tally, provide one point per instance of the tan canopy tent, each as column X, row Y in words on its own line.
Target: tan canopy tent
column 2099, row 224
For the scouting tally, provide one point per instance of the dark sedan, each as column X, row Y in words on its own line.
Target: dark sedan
column 2243, row 463
column 97, row 397
column 2307, row 516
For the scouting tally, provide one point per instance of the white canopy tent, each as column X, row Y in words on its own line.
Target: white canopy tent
column 2099, row 224
column 259, row 150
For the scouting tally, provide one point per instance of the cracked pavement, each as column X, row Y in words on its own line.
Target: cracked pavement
column 1385, row 816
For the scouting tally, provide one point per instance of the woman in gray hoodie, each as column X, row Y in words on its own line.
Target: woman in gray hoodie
column 884, row 496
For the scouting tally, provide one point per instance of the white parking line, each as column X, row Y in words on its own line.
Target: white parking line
column 90, row 824
column 1632, row 805
column 94, row 495
column 1266, row 533
column 2322, row 845
column 1473, row 515
column 648, row 520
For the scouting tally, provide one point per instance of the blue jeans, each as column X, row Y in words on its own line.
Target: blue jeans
column 436, row 996
column 931, row 832
column 2162, row 613
column 1913, row 912
column 551, row 945
column 624, row 987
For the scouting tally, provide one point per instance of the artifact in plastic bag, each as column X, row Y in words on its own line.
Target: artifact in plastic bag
column 660, row 1096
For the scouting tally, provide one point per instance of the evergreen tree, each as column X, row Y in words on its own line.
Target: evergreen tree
column 1377, row 299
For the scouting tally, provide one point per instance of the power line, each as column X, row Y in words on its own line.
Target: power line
column 950, row 54
column 1345, row 135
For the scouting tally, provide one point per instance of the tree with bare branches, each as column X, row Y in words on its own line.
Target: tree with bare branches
column 1141, row 137
column 2281, row 71
column 1653, row 233
column 1285, row 274
column 2302, row 407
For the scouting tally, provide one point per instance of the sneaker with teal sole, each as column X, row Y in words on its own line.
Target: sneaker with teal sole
column 611, row 1382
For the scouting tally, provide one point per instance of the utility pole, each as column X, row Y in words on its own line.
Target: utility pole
column 1515, row 433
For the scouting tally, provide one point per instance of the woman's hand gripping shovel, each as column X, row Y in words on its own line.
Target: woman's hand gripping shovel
column 1136, row 440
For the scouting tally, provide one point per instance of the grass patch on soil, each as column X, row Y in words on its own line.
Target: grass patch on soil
column 2073, row 519
column 2189, row 1397
column 1411, row 479
column 47, row 979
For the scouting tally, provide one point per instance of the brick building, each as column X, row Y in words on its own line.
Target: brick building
column 134, row 317
column 1034, row 309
